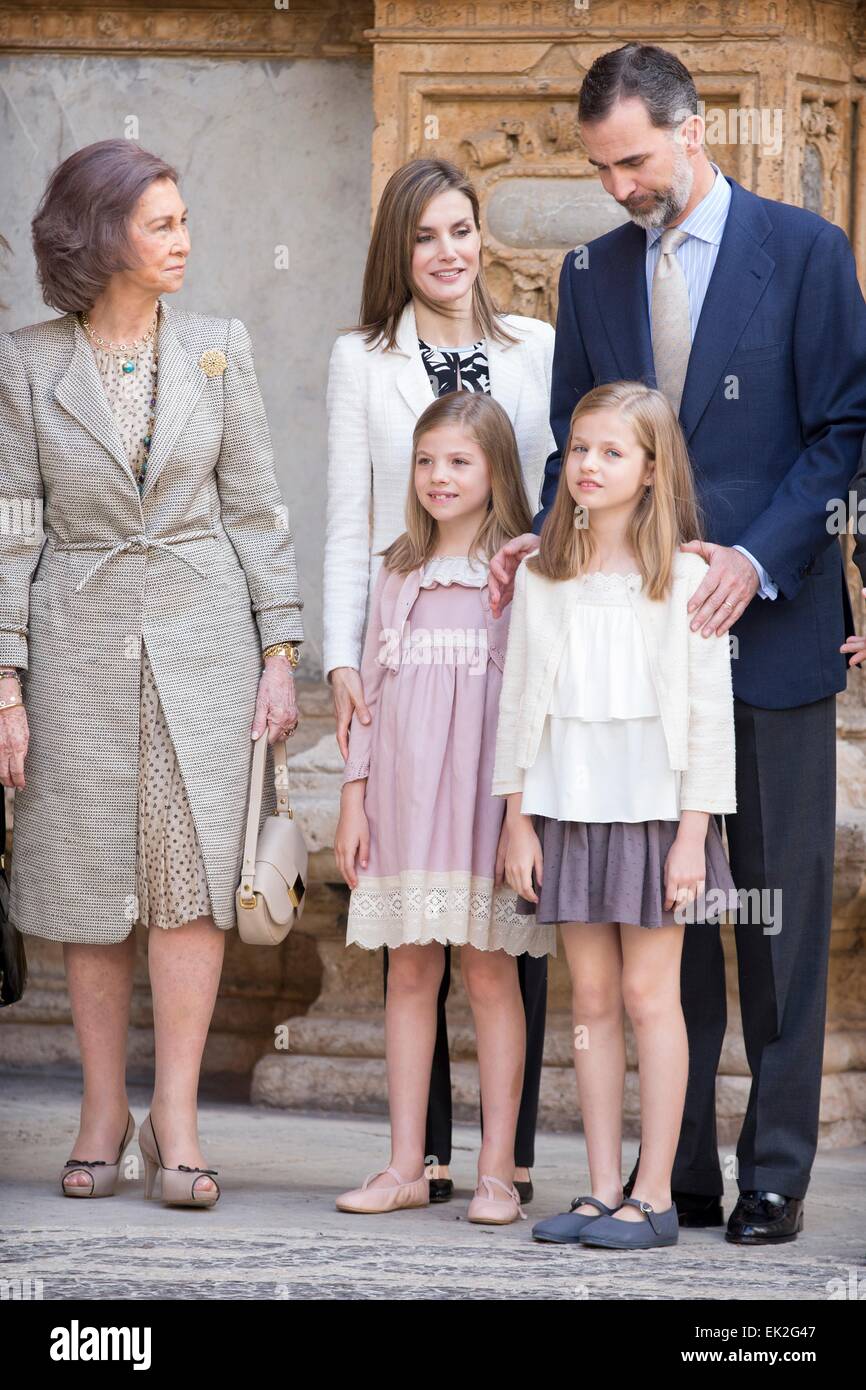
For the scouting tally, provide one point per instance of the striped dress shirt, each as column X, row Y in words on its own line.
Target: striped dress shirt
column 697, row 257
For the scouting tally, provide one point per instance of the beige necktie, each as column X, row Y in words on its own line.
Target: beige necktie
column 671, row 325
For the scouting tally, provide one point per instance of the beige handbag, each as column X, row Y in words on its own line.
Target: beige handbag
column 270, row 896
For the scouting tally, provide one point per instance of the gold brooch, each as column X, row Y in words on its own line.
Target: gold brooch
column 213, row 362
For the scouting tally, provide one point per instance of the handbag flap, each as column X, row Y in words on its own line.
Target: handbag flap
column 281, row 866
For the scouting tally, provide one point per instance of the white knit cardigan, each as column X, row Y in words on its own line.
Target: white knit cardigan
column 374, row 399
column 691, row 675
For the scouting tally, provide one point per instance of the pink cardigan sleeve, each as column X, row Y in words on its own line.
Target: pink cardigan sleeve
column 372, row 675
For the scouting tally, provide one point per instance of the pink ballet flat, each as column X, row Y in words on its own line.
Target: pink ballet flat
column 379, row 1199
column 487, row 1210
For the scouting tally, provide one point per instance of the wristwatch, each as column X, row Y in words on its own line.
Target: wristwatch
column 289, row 649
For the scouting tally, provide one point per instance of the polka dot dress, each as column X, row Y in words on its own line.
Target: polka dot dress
column 172, row 886
column 129, row 394
column 171, row 882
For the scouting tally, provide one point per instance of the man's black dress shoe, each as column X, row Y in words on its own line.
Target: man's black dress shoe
column 765, row 1218
column 441, row 1189
column 524, row 1191
column 693, row 1208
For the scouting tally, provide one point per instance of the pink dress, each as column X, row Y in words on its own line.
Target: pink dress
column 428, row 758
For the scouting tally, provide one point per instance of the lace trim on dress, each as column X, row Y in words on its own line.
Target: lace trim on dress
column 454, row 569
column 607, row 581
column 607, row 590
column 457, row 908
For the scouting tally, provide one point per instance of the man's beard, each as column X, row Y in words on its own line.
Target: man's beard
column 667, row 205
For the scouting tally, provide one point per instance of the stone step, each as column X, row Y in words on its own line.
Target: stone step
column 362, row 1034
column 358, row 1085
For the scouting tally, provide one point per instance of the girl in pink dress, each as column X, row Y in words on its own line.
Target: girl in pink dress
column 421, row 839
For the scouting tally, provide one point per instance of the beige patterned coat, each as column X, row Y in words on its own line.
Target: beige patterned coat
column 201, row 568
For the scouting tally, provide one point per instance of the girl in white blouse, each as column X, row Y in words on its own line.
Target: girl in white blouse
column 615, row 747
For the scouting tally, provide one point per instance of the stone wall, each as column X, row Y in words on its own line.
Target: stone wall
column 268, row 117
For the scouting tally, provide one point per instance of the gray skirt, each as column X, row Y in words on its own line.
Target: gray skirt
column 614, row 872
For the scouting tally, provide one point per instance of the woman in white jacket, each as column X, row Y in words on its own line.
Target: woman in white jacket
column 427, row 326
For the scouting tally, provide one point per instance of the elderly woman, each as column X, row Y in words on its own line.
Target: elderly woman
column 149, row 555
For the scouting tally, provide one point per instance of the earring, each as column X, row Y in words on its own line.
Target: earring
column 580, row 516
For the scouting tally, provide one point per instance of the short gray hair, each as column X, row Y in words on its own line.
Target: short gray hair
column 80, row 231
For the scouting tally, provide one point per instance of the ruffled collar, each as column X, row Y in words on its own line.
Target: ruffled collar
column 454, row 569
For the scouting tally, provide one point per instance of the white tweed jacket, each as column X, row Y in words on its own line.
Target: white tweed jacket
column 200, row 568
column 691, row 675
column 374, row 399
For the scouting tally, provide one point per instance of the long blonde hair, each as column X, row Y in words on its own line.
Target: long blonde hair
column 388, row 284
column 508, row 512
column 666, row 515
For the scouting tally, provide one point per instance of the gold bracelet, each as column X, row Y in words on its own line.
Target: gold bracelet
column 289, row 650
column 11, row 702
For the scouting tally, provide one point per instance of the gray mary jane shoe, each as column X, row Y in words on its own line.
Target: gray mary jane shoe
column 660, row 1228
column 565, row 1229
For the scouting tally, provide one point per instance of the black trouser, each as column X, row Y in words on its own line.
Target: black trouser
column 782, row 837
column 532, row 974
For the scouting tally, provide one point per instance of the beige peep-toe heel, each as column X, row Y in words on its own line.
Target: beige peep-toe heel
column 103, row 1175
column 177, row 1184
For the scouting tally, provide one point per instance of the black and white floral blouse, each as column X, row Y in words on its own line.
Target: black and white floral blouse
column 456, row 369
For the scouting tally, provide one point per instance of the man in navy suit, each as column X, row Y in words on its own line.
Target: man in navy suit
column 773, row 408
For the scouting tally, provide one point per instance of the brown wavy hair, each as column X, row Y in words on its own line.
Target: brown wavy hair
column 665, row 515
column 80, row 231
column 388, row 284
column 508, row 512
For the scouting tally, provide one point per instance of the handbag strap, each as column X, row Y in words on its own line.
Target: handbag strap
column 257, row 781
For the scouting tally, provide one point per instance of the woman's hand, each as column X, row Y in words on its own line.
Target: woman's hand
column 353, row 831
column 522, row 853
column 276, row 705
column 503, row 567
column 686, row 864
column 14, row 736
column 348, row 697
column 856, row 645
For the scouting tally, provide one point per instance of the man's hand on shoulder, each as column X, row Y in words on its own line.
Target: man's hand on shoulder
column 726, row 590
column 503, row 567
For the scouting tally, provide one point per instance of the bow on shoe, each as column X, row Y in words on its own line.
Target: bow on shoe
column 212, row 1172
column 86, row 1163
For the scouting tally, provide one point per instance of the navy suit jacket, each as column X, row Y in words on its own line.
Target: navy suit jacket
column 784, row 315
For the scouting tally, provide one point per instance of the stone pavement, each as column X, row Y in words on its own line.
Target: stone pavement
column 275, row 1233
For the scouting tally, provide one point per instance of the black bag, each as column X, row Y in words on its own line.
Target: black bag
column 13, row 961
